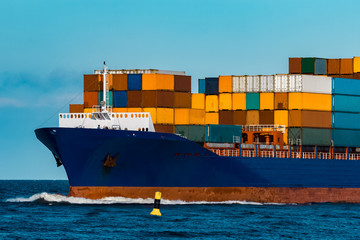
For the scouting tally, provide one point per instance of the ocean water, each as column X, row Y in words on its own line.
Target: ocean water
column 41, row 210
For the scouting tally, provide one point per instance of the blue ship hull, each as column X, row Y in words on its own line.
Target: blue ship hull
column 149, row 160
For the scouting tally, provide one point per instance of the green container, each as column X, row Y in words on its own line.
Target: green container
column 196, row 133
column 310, row 136
column 253, row 101
column 183, row 130
column 101, row 94
column 223, row 133
column 308, row 65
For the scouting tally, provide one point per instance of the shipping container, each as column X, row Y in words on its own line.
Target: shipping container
column 252, row 101
column 346, row 138
column 344, row 103
column 157, row 82
column 164, row 128
column 226, row 117
column 182, row 116
column 198, row 101
column 281, row 83
column 294, row 65
column 134, row 82
column 165, row 115
column 267, row 83
column 91, row 99
column 109, row 98
column 120, row 82
column 134, row 109
column 196, row 133
column 76, row 108
column 315, row 119
column 308, row 65
column 320, row 66
column 252, row 117
column 281, row 101
column 182, row 100
column 197, row 116
column 310, row 84
column 225, row 84
column 239, row 101
column 182, row 83
column 356, row 64
column 333, row 66
column 346, row 120
column 223, row 133
column 266, row 117
column 266, row 101
column 310, row 136
column 346, row 86
column 225, row 101
column 253, row 83
column 211, row 86
column 346, row 66
column 281, row 117
column 152, row 112
column 310, row 101
column 201, row 86
column 182, row 130
column 134, row 98
column 239, row 117
column 119, row 99
column 157, row 99
column 211, row 118
column 212, row 103
column 92, row 82
column 239, row 84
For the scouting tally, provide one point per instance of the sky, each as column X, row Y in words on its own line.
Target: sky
column 47, row 46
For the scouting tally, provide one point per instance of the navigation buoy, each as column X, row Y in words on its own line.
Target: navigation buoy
column 156, row 210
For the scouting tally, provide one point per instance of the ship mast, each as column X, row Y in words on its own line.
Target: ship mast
column 104, row 103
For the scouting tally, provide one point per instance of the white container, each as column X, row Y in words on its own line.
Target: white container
column 281, row 83
column 239, row 84
column 252, row 83
column 267, row 83
column 316, row 84
column 295, row 83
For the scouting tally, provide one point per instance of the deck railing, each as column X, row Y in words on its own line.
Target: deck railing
column 286, row 154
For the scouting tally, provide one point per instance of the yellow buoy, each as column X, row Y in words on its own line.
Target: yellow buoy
column 156, row 210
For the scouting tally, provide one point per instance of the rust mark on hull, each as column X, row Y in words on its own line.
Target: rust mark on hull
column 220, row 194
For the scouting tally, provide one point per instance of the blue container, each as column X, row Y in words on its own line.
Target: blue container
column 120, row 99
column 101, row 96
column 222, row 133
column 345, row 103
column 346, row 86
column 211, row 86
column 201, row 87
column 253, row 101
column 320, row 66
column 346, row 138
column 134, row 81
column 346, row 120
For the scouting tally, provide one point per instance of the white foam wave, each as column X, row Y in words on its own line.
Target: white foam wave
column 57, row 198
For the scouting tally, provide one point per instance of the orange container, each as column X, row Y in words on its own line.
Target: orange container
column 182, row 116
column 252, row 117
column 333, row 66
column 157, row 82
column 295, row 65
column 182, row 100
column 225, row 84
column 226, row 117
column 197, row 116
column 211, row 118
column 119, row 82
column 315, row 119
column 76, row 108
column 165, row 115
column 119, row 110
column 281, row 101
column 212, row 103
column 92, row 82
column 239, row 118
column 239, row 101
column 198, row 101
column 346, row 66
column 225, row 101
column 91, row 99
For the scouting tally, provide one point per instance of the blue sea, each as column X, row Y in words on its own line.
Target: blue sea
column 41, row 210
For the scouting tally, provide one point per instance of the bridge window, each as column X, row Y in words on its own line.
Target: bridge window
column 125, row 115
column 60, row 116
column 147, row 129
column 117, row 115
column 143, row 115
column 113, row 115
column 71, row 116
column 146, row 115
column 121, row 115
column 132, row 115
column 82, row 115
column 89, row 115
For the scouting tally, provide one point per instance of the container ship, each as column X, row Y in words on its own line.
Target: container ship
column 282, row 138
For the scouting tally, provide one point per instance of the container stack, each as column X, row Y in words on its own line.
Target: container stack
column 339, row 68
